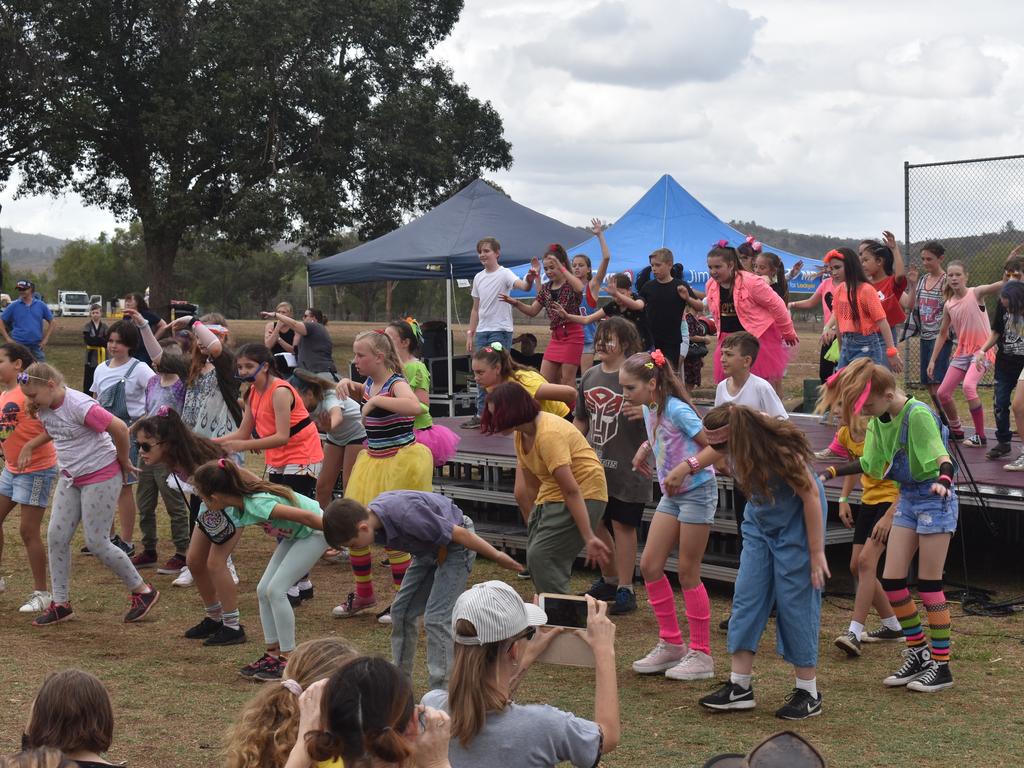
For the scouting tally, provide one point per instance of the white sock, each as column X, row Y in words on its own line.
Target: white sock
column 613, row 580
column 293, row 591
column 743, row 681
column 857, row 629
column 304, row 584
column 811, row 686
column 892, row 623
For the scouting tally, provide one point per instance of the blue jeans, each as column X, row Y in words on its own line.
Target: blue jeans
column 855, row 345
column 1006, row 381
column 36, row 350
column 430, row 589
column 482, row 339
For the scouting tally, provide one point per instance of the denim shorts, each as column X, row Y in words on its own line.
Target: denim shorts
column 927, row 347
column 922, row 511
column 696, row 506
column 588, row 347
column 31, row 488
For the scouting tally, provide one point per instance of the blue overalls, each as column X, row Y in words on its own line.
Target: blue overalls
column 775, row 569
column 918, row 508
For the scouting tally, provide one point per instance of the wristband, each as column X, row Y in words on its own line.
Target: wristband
column 892, row 352
column 945, row 480
column 694, row 464
column 831, row 472
column 645, row 446
column 844, row 499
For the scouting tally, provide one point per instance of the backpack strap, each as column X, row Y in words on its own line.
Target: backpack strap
column 131, row 368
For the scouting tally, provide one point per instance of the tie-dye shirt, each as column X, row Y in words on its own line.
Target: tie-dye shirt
column 671, row 434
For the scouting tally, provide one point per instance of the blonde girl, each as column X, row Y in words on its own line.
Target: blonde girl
column 268, row 725
column 683, row 518
column 965, row 314
column 93, row 456
column 392, row 461
column 295, row 521
column 442, row 442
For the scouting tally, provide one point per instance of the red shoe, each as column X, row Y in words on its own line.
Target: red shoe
column 173, row 566
column 141, row 605
column 353, row 604
column 145, row 559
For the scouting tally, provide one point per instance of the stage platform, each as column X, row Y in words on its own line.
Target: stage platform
column 482, row 473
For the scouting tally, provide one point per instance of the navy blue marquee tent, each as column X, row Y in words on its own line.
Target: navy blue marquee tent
column 441, row 244
column 668, row 216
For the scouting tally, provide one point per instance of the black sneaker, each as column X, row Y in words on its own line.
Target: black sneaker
column 936, row 678
column 226, row 635
column 882, row 635
column 249, row 670
column 625, row 602
column 141, row 605
column 203, row 629
column 272, row 671
column 294, row 600
column 915, row 663
column 724, row 623
column 55, row 613
column 601, row 590
column 799, row 706
column 306, row 594
column 849, row 643
column 473, row 422
column 524, row 574
column 128, row 549
column 730, row 696
column 998, row 451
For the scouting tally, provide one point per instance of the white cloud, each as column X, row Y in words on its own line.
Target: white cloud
column 952, row 68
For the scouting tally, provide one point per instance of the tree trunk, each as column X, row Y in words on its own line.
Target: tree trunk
column 389, row 287
column 160, row 258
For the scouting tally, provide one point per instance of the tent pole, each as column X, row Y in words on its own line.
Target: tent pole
column 309, row 290
column 448, row 290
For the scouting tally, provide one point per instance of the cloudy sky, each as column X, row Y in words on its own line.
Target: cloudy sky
column 793, row 113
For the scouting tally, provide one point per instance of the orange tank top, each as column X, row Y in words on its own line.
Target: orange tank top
column 304, row 446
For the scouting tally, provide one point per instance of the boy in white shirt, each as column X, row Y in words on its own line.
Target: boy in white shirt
column 490, row 320
column 739, row 351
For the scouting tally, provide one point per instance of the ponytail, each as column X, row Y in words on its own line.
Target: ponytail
column 225, row 477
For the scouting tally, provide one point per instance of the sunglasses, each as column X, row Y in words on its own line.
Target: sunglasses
column 147, row 447
column 530, row 632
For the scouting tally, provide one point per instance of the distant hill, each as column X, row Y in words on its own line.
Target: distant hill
column 35, row 253
column 809, row 246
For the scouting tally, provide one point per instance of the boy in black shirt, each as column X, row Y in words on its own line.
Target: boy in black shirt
column 1009, row 364
column 665, row 299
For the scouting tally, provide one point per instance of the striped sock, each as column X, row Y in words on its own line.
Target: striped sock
column 362, row 564
column 938, row 624
column 231, row 619
column 215, row 611
column 400, row 562
column 663, row 603
column 978, row 417
column 906, row 611
column 698, row 615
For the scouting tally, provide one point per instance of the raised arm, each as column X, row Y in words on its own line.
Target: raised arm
column 987, row 290
column 910, row 295
column 899, row 268
column 606, row 256
column 153, row 348
column 296, row 325
column 531, row 276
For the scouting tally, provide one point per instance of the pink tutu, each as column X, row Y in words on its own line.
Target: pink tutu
column 772, row 358
column 441, row 441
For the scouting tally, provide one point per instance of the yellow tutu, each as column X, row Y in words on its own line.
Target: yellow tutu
column 411, row 469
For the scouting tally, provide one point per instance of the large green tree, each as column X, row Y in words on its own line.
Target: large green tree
column 252, row 120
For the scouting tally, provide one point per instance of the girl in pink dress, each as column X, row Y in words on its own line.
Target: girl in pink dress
column 966, row 314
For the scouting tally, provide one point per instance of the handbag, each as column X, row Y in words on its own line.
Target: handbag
column 115, row 400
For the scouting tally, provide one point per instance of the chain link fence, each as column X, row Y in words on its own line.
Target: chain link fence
column 975, row 209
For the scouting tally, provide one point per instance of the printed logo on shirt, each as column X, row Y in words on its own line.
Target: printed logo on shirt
column 1013, row 344
column 9, row 420
column 604, row 406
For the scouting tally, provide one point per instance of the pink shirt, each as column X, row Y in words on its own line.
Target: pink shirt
column 757, row 306
column 970, row 322
column 825, row 290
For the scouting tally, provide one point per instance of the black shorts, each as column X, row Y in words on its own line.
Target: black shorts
column 866, row 517
column 304, row 484
column 625, row 512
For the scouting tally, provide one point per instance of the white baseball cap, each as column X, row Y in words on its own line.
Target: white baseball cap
column 496, row 611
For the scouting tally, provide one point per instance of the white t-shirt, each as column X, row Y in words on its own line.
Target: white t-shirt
column 80, row 450
column 756, row 393
column 494, row 314
column 134, row 386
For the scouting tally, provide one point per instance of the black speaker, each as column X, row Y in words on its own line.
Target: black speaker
column 435, row 339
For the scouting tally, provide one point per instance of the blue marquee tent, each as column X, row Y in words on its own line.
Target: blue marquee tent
column 668, row 216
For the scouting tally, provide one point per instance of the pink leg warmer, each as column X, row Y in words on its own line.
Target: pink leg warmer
column 659, row 594
column 698, row 614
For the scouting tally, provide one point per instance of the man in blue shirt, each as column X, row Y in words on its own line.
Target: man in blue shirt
column 31, row 319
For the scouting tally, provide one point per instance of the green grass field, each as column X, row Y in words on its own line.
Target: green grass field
column 174, row 699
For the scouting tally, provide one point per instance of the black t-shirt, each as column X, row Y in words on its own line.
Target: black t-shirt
column 730, row 321
column 1010, row 347
column 635, row 316
column 664, row 307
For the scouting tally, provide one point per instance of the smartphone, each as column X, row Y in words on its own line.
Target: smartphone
column 565, row 610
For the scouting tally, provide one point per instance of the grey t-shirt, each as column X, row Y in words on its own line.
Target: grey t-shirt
column 525, row 736
column 315, row 349
column 414, row 521
column 614, row 437
column 351, row 428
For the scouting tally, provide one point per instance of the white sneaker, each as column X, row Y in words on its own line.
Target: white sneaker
column 3, row 584
column 663, row 656
column 827, row 454
column 292, row 591
column 695, row 665
column 184, row 578
column 232, row 571
column 1017, row 465
column 37, row 602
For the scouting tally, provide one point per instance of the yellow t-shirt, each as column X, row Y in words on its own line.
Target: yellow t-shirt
column 336, row 762
column 558, row 444
column 874, row 491
column 531, row 381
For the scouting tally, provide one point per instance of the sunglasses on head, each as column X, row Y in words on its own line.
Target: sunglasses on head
column 147, row 447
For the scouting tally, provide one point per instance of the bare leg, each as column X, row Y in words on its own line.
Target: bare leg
column 31, row 522
column 869, row 589
column 552, row 372
column 351, row 454
column 126, row 512
column 625, row 551
column 334, row 456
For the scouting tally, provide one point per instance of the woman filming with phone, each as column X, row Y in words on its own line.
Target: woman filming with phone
column 496, row 642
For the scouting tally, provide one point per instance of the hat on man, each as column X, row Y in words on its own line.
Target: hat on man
column 25, row 284
column 496, row 611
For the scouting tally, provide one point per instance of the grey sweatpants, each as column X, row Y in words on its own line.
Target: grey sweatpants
column 93, row 506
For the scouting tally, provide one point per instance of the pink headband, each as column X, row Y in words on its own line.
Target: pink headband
column 717, row 436
column 858, row 406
